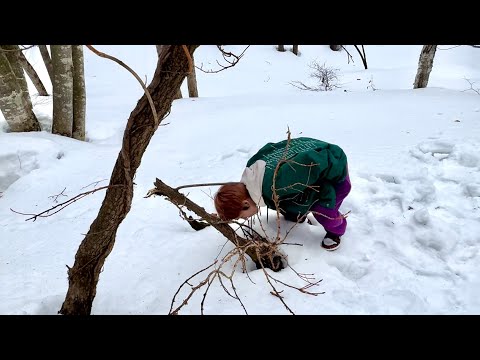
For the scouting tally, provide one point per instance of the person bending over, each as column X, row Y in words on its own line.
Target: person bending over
column 312, row 177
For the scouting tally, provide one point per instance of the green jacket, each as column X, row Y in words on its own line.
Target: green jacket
column 307, row 177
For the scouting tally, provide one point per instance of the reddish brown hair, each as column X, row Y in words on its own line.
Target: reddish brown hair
column 228, row 200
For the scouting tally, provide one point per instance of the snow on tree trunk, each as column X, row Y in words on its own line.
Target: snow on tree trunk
column 192, row 82
column 62, row 90
column 425, row 65
column 16, row 109
column 79, row 95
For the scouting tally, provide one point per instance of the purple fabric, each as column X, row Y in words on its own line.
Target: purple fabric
column 336, row 226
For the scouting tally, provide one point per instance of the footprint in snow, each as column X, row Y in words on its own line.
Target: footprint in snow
column 226, row 156
column 437, row 148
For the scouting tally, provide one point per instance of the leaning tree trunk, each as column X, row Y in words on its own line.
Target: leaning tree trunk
column 79, row 95
column 47, row 60
column 62, row 90
column 17, row 111
column 425, row 65
column 32, row 74
column 295, row 49
column 171, row 70
column 192, row 82
column 10, row 53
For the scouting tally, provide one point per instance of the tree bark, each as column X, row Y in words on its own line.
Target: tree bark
column 79, row 95
column 171, row 70
column 62, row 90
column 281, row 48
column 47, row 60
column 295, row 49
column 178, row 95
column 335, row 47
column 18, row 112
column 11, row 54
column 425, row 65
column 192, row 82
column 32, row 74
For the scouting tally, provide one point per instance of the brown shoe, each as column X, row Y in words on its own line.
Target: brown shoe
column 331, row 242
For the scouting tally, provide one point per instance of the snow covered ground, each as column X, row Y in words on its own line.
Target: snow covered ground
column 413, row 239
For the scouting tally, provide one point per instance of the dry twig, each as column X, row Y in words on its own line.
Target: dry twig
column 55, row 197
column 471, row 83
column 226, row 56
column 121, row 63
column 61, row 206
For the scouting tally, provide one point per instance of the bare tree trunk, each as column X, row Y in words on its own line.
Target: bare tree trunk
column 178, row 95
column 295, row 49
column 12, row 58
column 47, row 60
column 425, row 65
column 79, row 95
column 18, row 112
column 62, row 90
column 171, row 70
column 192, row 82
column 32, row 74
column 281, row 48
column 335, row 47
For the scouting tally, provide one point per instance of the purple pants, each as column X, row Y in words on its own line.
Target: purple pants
column 339, row 225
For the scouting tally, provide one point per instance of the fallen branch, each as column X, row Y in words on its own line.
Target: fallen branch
column 61, row 206
column 266, row 256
